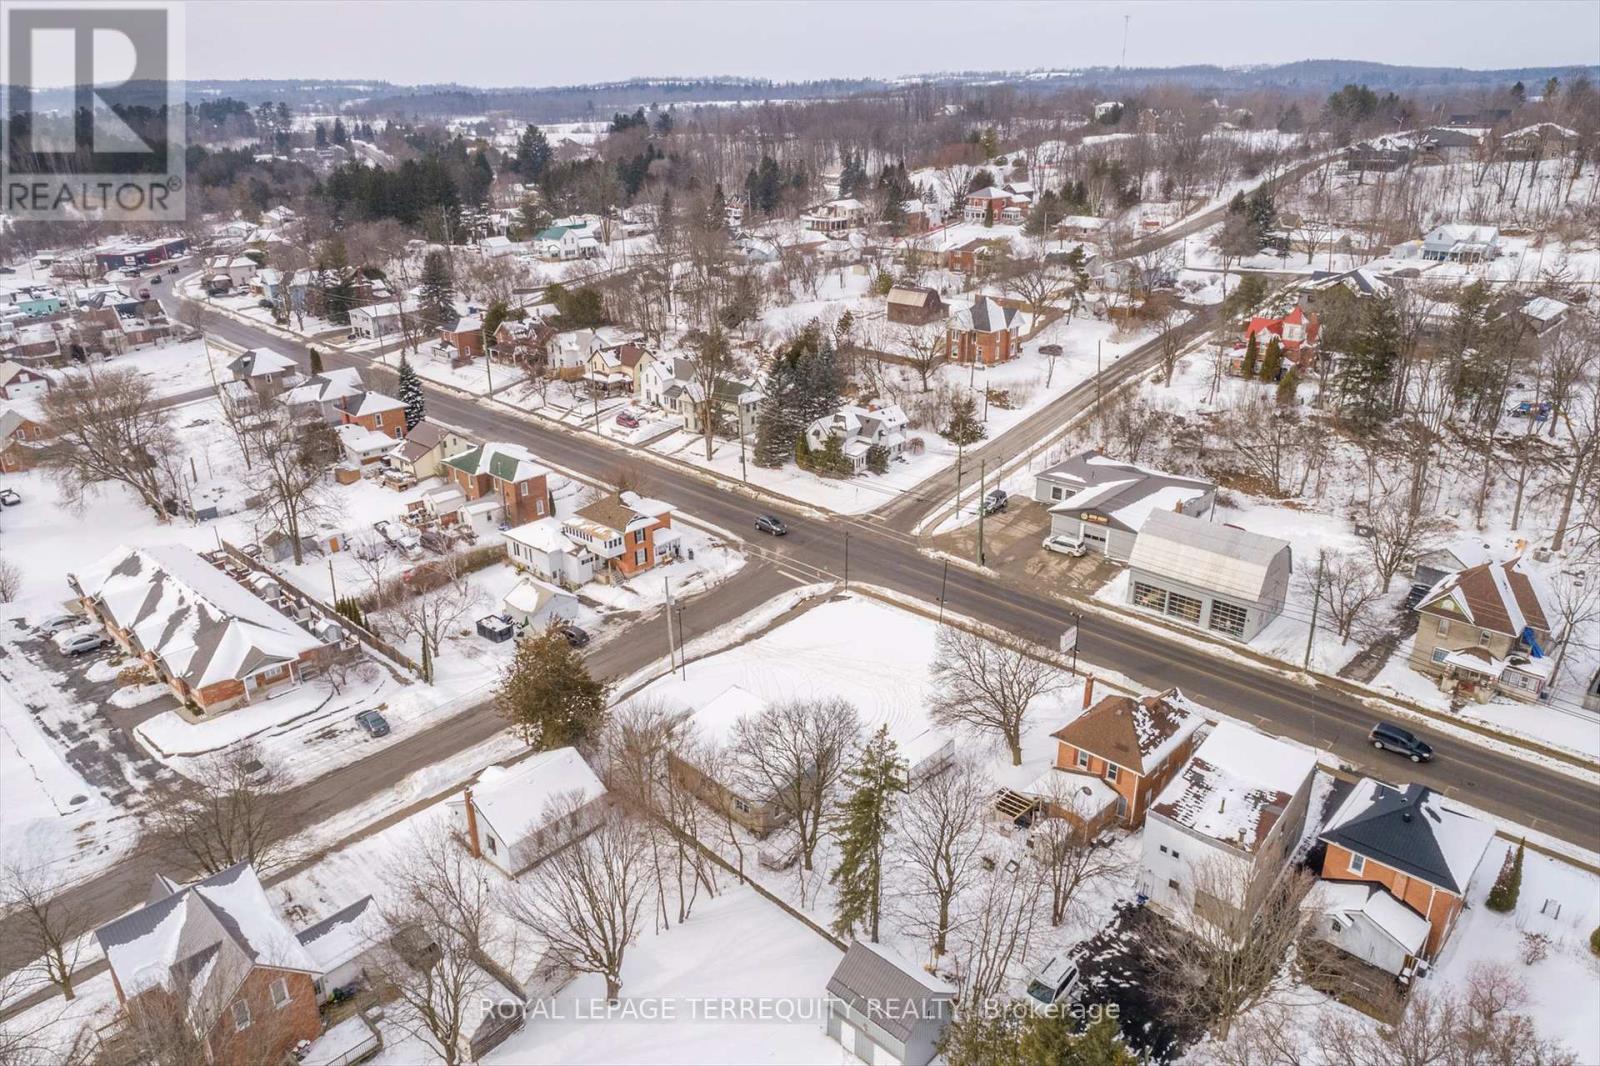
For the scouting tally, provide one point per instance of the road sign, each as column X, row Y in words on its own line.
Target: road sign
column 1069, row 640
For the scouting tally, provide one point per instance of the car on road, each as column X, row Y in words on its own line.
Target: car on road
column 1065, row 545
column 575, row 636
column 1053, row 982
column 156, row 280
column 144, row 294
column 771, row 523
column 1388, row 737
column 81, row 643
column 374, row 723
column 173, row 269
column 995, row 502
column 55, row 623
column 627, row 419
column 9, row 498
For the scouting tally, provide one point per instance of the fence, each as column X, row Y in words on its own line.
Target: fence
column 362, row 633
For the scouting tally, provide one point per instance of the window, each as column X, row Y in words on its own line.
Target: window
column 241, row 1015
column 1184, row 607
column 638, row 536
column 494, row 849
column 1173, row 884
column 740, row 805
column 1358, row 863
column 538, row 507
column 1228, row 618
column 1056, row 493
column 523, row 488
column 1337, row 928
column 1122, row 806
column 280, row 993
column 1164, row 849
column 1149, row 596
column 1083, row 759
column 1483, row 638
column 639, row 556
column 1111, row 772
column 1439, row 654
column 1444, row 627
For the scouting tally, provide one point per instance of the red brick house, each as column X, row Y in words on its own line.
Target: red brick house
column 968, row 257
column 986, row 332
column 216, row 954
column 1129, row 748
column 215, row 643
column 374, row 411
column 463, row 337
column 630, row 533
column 505, row 472
column 1409, row 844
column 20, row 440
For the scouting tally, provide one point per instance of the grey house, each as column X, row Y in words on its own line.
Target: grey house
column 1104, row 503
column 1213, row 576
column 882, row 1008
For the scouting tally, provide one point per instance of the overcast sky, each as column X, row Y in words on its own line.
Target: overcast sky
column 558, row 43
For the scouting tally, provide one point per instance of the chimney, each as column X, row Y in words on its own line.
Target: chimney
column 1088, row 691
column 1405, row 816
column 1222, row 805
column 472, row 825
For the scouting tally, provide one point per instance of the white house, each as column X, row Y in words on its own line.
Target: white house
column 514, row 817
column 544, row 548
column 1461, row 243
column 835, row 216
column 1219, row 834
column 537, row 604
column 860, row 429
column 1209, row 574
column 381, row 321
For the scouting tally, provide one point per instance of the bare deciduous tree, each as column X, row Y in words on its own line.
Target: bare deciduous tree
column 585, row 901
column 1347, row 588
column 108, row 426
column 10, row 580
column 923, row 348
column 940, row 841
column 997, row 925
column 796, row 753
column 1067, row 859
column 232, row 810
column 989, row 682
column 49, row 928
column 289, row 477
column 1399, row 531
column 430, row 615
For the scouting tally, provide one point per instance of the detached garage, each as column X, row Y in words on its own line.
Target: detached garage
column 1212, row 576
column 884, row 1009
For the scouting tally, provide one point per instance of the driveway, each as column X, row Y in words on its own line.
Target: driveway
column 1012, row 544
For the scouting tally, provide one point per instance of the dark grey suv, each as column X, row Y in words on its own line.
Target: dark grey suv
column 1386, row 737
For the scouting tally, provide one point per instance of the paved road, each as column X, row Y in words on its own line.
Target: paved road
column 1542, row 799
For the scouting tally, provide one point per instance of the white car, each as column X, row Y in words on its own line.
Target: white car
column 50, row 626
column 1066, row 546
column 1056, row 980
column 81, row 643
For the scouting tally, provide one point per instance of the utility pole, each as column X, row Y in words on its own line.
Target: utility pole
column 847, row 560
column 1316, row 602
column 1097, row 384
column 332, row 584
column 672, row 654
column 982, row 473
column 683, row 653
column 1124, row 63
column 944, row 579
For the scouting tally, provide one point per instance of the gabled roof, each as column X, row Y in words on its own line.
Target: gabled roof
column 1137, row 734
column 341, row 936
column 626, row 512
column 10, row 369
column 1412, row 831
column 10, row 422
column 179, row 937
column 504, row 462
column 1502, row 597
column 544, row 535
column 421, row 439
column 1225, row 559
column 1345, row 899
column 889, row 990
column 986, row 315
column 1122, row 492
column 260, row 362
column 204, row 626
column 1236, row 786
column 371, row 403
column 517, row 801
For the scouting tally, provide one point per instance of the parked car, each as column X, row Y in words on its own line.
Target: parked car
column 9, row 498
column 374, row 723
column 81, row 643
column 173, row 269
column 995, row 502
column 575, row 636
column 1056, row 980
column 627, row 419
column 6, row 270
column 771, row 523
column 156, row 280
column 1066, row 546
column 1387, row 737
column 55, row 623
column 144, row 294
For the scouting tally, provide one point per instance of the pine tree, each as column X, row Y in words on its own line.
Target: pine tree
column 863, row 823
column 533, row 155
column 1365, row 379
column 410, row 389
column 964, row 427
column 988, row 212
column 778, row 423
column 1252, row 355
column 717, row 209
column 316, row 362
column 1273, row 362
column 1287, row 387
column 547, row 694
column 821, row 379
column 339, row 134
column 1507, row 886
column 438, row 297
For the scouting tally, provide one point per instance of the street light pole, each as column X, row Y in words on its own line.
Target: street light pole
column 847, row 559
column 943, row 580
column 983, row 466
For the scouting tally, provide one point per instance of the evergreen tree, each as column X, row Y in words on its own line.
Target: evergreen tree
column 778, row 423
column 1274, row 360
column 1508, row 885
column 438, row 297
column 321, row 136
column 717, row 209
column 1252, row 358
column 340, row 136
column 533, row 155
column 316, row 362
column 821, row 379
column 410, row 390
column 1263, row 213
column 964, row 427
column 875, row 783
column 988, row 212
column 1365, row 379
column 492, row 318
column 547, row 694
column 1287, row 387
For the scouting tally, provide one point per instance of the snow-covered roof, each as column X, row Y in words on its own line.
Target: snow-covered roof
column 1236, row 785
column 530, row 595
column 328, row 386
column 363, row 441
column 1400, row 923
column 1502, row 597
column 716, row 719
column 544, row 535
column 260, row 362
column 1136, row 734
column 184, row 933
column 203, row 626
column 1225, row 559
column 1544, row 309
column 518, row 801
column 891, row 990
column 1410, row 830
column 504, row 462
column 986, row 315
column 342, row 935
column 372, row 403
column 1084, row 794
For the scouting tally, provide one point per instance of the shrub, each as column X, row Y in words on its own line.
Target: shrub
column 1594, row 940
column 1503, row 896
column 878, row 459
column 1535, row 948
column 882, row 284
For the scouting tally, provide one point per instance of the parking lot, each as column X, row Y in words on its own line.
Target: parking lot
column 1012, row 543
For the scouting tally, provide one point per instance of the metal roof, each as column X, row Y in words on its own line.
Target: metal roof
column 1225, row 559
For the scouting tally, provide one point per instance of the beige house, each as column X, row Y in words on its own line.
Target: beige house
column 1486, row 631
